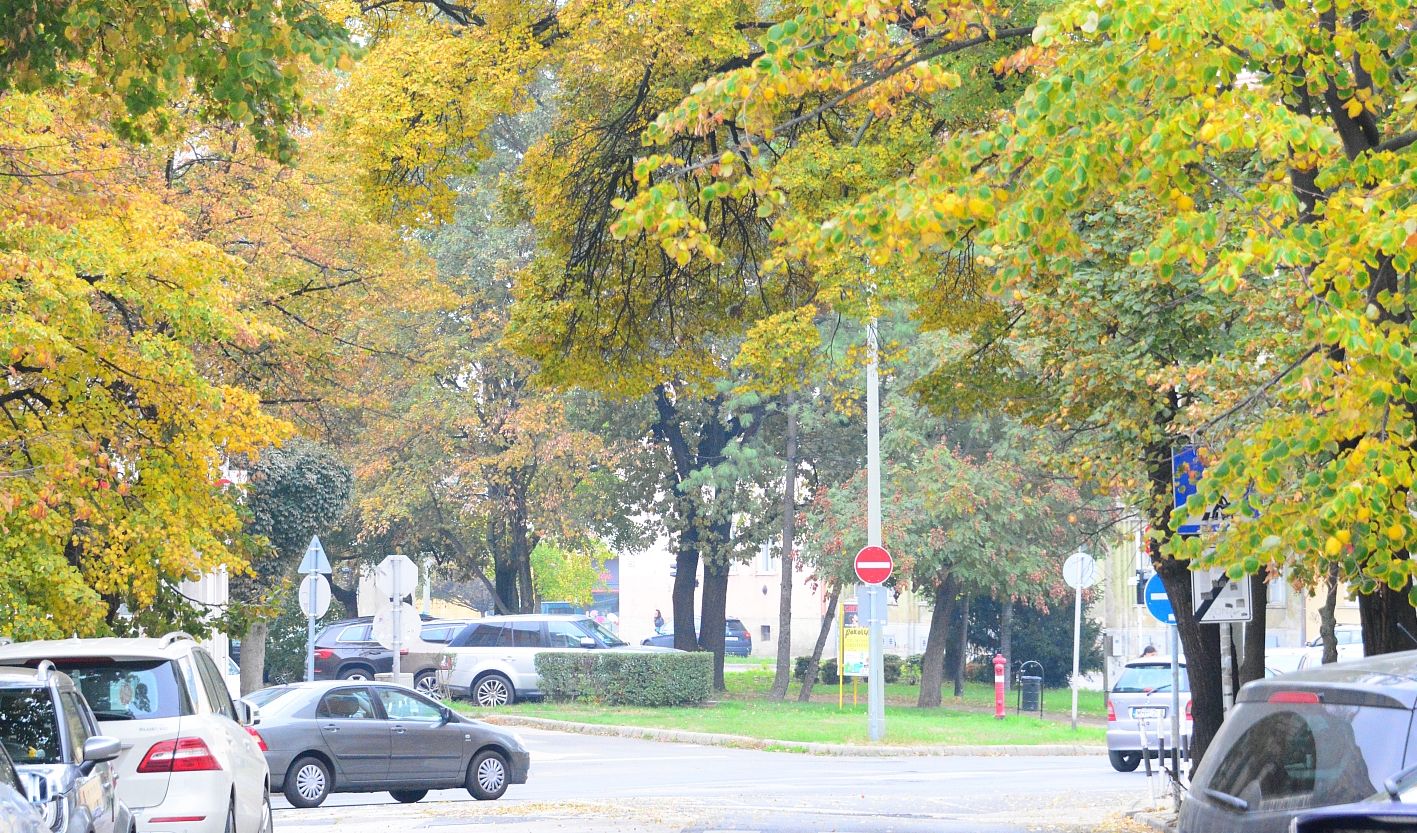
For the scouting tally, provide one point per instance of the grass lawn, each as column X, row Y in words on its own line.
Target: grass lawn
column 744, row 710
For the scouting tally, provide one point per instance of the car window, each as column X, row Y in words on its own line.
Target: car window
column 354, row 633
column 347, row 704
column 599, row 633
column 488, row 636
column 1140, row 679
column 74, row 722
column 29, row 727
column 1282, row 757
column 437, row 634
column 215, row 685
column 8, row 776
column 564, row 635
column 138, row 689
column 527, row 635
column 400, row 705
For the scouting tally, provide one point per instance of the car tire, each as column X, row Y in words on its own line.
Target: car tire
column 491, row 690
column 307, row 784
column 358, row 672
column 231, row 817
column 1125, row 761
column 408, row 796
column 487, row 775
column 427, row 685
column 268, row 823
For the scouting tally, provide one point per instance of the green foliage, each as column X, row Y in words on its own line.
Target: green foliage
column 623, row 678
column 1042, row 632
column 567, row 574
column 826, row 670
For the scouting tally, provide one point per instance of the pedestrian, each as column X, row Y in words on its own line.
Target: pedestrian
column 658, row 621
column 1149, row 651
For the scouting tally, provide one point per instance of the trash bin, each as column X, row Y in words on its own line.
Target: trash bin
column 1030, row 694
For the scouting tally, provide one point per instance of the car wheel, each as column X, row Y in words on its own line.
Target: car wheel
column 408, row 796
column 1125, row 761
column 267, row 821
column 307, row 784
column 427, row 685
column 231, row 817
column 487, row 776
column 493, row 690
column 356, row 674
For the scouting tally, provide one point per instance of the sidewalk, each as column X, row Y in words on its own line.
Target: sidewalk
column 739, row 741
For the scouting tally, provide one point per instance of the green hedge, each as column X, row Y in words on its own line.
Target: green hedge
column 630, row 679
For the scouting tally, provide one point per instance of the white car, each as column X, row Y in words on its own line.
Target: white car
column 492, row 661
column 190, row 761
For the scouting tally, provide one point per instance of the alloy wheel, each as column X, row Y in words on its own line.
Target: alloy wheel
column 491, row 774
column 310, row 782
column 492, row 691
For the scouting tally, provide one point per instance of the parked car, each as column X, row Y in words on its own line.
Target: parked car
column 1322, row 736
column 189, row 765
column 347, row 650
column 65, row 764
column 1393, row 809
column 327, row 737
column 1350, row 644
column 1143, row 693
column 17, row 813
column 493, row 660
column 737, row 639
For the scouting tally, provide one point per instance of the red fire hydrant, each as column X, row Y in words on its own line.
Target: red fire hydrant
column 999, row 664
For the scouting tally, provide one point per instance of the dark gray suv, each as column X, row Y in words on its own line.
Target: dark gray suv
column 1326, row 735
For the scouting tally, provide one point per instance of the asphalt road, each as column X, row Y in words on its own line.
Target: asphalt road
column 591, row 784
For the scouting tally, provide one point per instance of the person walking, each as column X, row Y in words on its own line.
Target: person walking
column 658, row 621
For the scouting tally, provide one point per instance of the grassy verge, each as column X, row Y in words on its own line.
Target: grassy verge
column 744, row 710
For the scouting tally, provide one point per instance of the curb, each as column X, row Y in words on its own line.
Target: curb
column 841, row 749
column 1160, row 821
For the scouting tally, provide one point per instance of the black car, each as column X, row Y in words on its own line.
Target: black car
column 737, row 641
column 346, row 650
column 1320, row 737
column 1391, row 810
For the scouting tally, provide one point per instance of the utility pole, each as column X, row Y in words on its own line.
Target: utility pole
column 876, row 692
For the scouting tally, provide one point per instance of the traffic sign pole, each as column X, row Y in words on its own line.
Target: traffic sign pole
column 876, row 692
column 312, row 565
column 310, row 634
column 398, row 629
column 1079, row 571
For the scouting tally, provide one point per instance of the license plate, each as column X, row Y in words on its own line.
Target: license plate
column 1148, row 713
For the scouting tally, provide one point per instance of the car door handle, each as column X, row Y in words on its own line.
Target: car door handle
column 399, row 730
column 330, row 727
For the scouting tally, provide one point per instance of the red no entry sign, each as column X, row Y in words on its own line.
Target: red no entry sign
column 873, row 565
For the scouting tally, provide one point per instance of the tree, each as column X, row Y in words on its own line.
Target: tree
column 296, row 492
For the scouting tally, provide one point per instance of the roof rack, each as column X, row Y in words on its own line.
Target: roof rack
column 176, row 636
column 44, row 669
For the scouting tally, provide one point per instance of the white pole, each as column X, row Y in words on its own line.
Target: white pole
column 1176, row 713
column 398, row 625
column 876, row 690
column 1077, row 646
column 310, row 634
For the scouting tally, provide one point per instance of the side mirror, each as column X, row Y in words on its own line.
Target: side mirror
column 246, row 714
column 446, row 713
column 587, row 642
column 100, row 748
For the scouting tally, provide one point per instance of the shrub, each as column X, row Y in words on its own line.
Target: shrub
column 826, row 672
column 631, row 679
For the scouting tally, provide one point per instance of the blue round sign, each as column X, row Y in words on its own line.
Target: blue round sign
column 1157, row 602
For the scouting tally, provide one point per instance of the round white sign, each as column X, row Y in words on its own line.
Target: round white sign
column 1080, row 570
column 382, row 628
column 314, row 595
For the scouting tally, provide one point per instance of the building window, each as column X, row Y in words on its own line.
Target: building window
column 1277, row 594
column 767, row 559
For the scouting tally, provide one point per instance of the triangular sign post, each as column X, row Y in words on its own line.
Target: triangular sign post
column 314, row 560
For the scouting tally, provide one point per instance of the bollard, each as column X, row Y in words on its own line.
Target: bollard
column 999, row 663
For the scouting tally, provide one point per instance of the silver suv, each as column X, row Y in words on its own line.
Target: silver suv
column 1141, row 699
column 63, row 761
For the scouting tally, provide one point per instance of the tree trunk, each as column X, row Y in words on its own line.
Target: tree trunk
column 809, row 679
column 932, row 664
column 1252, row 667
column 686, row 577
column 1389, row 621
column 521, row 547
column 782, row 673
column 253, row 656
column 713, row 616
column 962, row 659
column 1328, row 617
column 1006, row 636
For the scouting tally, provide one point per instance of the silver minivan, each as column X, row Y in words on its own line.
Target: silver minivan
column 1139, row 709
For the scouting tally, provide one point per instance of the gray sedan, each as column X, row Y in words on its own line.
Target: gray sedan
column 347, row 736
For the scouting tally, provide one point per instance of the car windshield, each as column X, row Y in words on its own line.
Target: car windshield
column 1140, row 679
column 600, row 633
column 128, row 689
column 265, row 695
column 29, row 726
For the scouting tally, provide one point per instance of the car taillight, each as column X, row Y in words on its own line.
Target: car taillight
column 1111, row 711
column 324, row 653
column 403, row 652
column 446, row 663
column 1308, row 697
column 181, row 755
column 260, row 741
column 1188, row 710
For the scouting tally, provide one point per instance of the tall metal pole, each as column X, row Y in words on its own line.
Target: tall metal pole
column 876, row 693
column 1077, row 647
column 1176, row 714
column 398, row 624
column 310, row 634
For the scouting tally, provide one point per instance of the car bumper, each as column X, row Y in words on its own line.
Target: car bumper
column 278, row 762
column 1129, row 739
column 197, row 805
column 518, row 766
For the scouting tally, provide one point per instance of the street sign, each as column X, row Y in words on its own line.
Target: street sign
column 873, row 565
column 396, row 573
column 1157, row 602
column 314, row 560
column 855, row 652
column 1186, row 470
column 383, row 628
column 1215, row 598
column 314, row 595
column 1080, row 570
